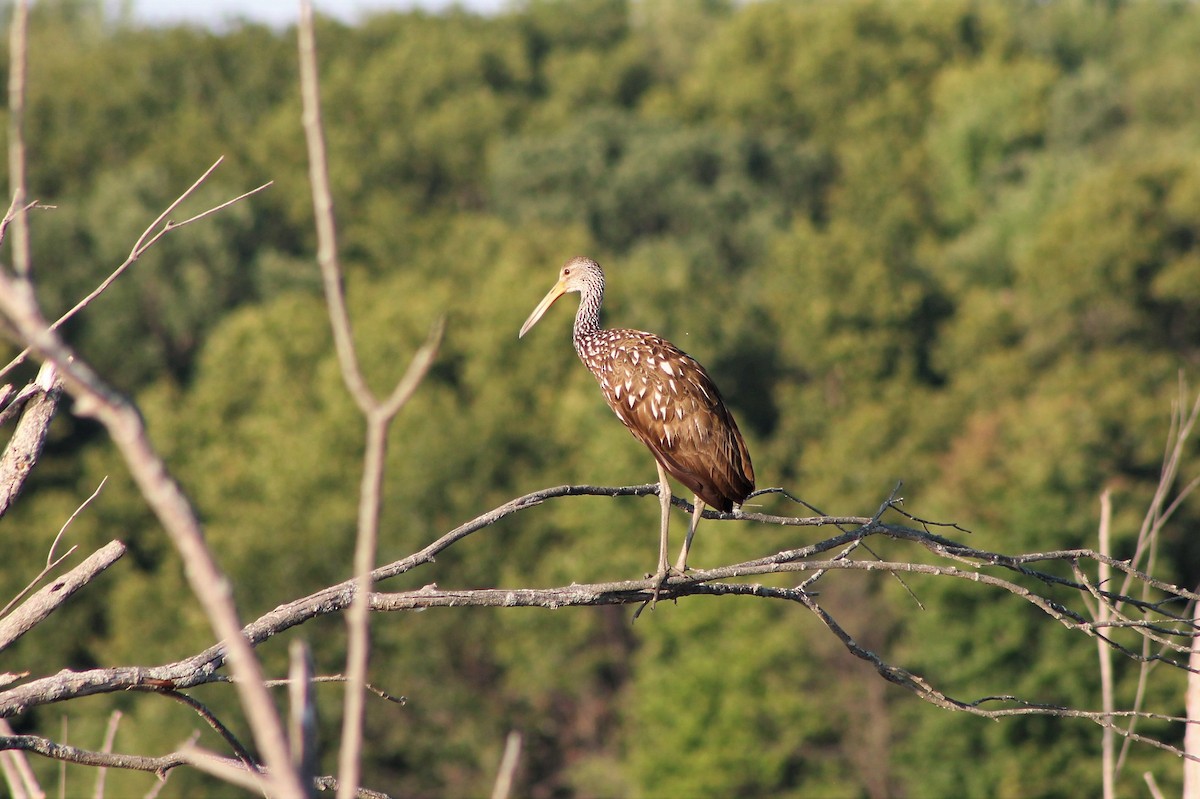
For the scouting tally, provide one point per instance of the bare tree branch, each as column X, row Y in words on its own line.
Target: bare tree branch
column 22, row 783
column 62, row 530
column 156, row 765
column 17, row 61
column 341, row 678
column 210, row 718
column 508, row 766
column 327, row 255
column 160, row 227
column 1160, row 510
column 1191, row 738
column 302, row 715
column 110, row 736
column 379, row 414
column 10, row 402
column 1103, row 615
column 47, row 748
column 1152, row 786
column 25, row 447
column 174, row 511
column 51, row 562
column 49, row 567
column 31, row 612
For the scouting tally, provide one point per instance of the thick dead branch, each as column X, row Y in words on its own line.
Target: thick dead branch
column 33, row 610
column 25, row 446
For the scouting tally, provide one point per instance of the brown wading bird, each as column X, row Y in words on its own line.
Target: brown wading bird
column 667, row 401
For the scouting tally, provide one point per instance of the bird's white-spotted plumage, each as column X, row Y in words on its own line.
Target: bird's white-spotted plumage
column 667, row 401
column 665, row 398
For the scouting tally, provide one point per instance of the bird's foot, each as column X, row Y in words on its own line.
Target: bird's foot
column 661, row 577
column 658, row 580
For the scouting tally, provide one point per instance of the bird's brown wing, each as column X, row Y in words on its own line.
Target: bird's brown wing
column 669, row 402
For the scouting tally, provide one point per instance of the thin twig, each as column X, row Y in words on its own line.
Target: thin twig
column 1152, row 785
column 71, row 518
column 49, row 567
column 210, row 718
column 62, row 764
column 507, row 771
column 923, row 689
column 1108, row 768
column 150, row 236
column 163, row 776
column 110, row 737
column 1180, row 431
column 338, row 678
column 17, row 63
column 302, row 711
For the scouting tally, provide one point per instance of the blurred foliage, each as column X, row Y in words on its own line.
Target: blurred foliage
column 954, row 243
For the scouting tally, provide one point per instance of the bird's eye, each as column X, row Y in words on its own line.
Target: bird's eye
column 566, row 272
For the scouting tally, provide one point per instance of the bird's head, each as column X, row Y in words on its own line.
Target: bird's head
column 578, row 274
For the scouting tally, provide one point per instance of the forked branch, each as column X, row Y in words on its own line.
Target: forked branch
column 379, row 413
column 161, row 226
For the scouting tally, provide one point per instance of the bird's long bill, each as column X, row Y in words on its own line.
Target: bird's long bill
column 542, row 307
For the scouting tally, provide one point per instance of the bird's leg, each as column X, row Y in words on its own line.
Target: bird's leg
column 664, row 498
column 697, row 512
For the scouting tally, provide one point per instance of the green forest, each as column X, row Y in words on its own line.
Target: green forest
column 952, row 243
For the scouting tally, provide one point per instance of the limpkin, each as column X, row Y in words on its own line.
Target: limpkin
column 665, row 398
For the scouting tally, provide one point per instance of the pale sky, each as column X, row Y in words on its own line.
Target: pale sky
column 283, row 12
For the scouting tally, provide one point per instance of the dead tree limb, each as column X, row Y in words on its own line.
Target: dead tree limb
column 997, row 571
column 379, row 413
column 32, row 611
column 160, row 765
column 25, row 447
